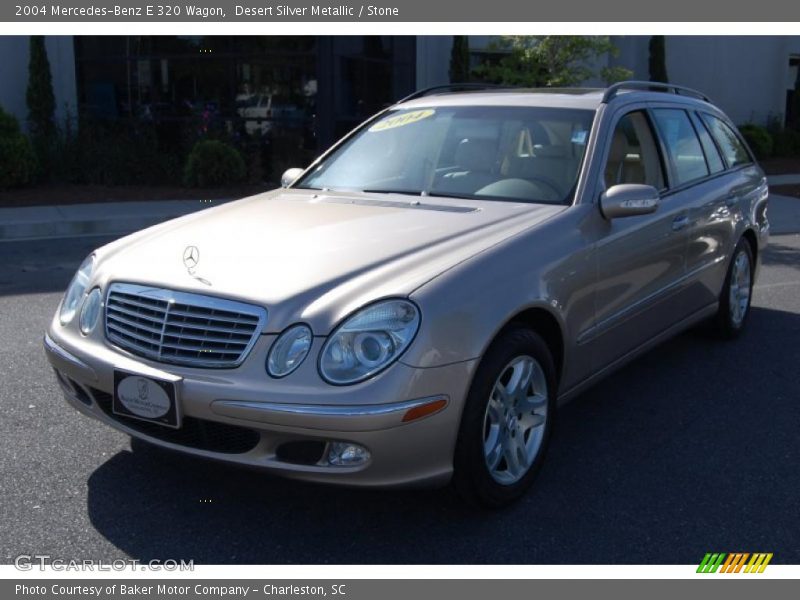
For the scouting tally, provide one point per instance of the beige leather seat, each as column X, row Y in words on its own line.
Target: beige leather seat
column 553, row 165
column 620, row 168
column 475, row 158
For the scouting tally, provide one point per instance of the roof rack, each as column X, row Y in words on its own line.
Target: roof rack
column 612, row 90
column 451, row 87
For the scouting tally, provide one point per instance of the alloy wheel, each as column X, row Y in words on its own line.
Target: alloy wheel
column 739, row 291
column 514, row 421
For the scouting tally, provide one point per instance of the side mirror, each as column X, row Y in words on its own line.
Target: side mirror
column 289, row 175
column 628, row 200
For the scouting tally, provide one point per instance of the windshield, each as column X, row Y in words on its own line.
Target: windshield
column 488, row 153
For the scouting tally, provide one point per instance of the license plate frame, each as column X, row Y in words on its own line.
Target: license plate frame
column 143, row 399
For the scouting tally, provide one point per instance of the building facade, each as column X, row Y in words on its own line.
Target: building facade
column 750, row 77
column 295, row 95
column 312, row 89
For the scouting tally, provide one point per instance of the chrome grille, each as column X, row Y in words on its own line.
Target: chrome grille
column 181, row 328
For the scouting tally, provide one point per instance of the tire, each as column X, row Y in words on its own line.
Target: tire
column 500, row 451
column 737, row 292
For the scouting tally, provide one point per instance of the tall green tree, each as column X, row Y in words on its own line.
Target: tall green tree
column 39, row 96
column 657, row 61
column 459, row 59
column 550, row 60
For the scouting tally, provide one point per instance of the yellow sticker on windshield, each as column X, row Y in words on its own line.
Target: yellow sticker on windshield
column 404, row 119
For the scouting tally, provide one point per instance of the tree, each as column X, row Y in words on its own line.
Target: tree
column 657, row 62
column 39, row 96
column 459, row 59
column 550, row 60
column 17, row 161
column 794, row 117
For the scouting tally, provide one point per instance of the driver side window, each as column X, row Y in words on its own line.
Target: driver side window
column 633, row 156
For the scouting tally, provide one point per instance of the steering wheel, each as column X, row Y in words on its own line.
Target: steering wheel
column 525, row 190
column 548, row 183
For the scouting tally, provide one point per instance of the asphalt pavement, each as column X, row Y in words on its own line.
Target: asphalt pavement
column 692, row 448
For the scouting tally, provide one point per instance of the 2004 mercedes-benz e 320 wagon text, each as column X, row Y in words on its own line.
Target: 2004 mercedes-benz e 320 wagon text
column 411, row 308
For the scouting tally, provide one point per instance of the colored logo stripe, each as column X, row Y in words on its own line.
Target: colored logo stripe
column 710, row 563
column 734, row 562
column 759, row 562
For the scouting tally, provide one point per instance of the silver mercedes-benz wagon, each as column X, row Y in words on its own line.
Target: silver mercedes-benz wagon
column 412, row 307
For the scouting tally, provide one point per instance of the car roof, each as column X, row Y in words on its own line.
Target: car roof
column 580, row 98
column 545, row 97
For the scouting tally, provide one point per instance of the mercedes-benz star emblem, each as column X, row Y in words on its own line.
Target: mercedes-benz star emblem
column 191, row 256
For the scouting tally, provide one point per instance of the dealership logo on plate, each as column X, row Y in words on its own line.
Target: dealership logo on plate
column 143, row 397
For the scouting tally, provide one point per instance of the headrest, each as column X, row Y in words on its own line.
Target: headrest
column 475, row 154
column 550, row 151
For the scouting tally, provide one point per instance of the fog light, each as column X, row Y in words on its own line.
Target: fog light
column 345, row 454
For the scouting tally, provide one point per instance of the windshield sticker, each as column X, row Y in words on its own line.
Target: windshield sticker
column 579, row 137
column 404, row 119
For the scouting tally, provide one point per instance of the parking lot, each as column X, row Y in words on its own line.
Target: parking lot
column 690, row 449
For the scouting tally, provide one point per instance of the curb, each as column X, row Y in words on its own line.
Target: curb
column 786, row 179
column 783, row 213
column 112, row 218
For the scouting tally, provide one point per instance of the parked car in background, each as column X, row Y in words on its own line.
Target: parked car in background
column 412, row 307
column 256, row 110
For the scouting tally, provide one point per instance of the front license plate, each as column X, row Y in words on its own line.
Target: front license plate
column 146, row 399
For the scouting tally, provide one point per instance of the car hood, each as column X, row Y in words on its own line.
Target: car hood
column 314, row 257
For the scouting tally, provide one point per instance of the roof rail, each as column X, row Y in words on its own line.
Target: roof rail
column 450, row 87
column 653, row 86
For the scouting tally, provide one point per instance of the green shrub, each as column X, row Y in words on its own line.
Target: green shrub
column 786, row 143
column 213, row 163
column 118, row 152
column 759, row 140
column 17, row 161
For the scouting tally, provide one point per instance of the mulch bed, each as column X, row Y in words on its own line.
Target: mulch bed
column 785, row 190
column 781, row 166
column 80, row 194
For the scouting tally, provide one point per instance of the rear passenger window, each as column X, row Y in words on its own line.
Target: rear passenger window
column 683, row 146
column 713, row 157
column 732, row 147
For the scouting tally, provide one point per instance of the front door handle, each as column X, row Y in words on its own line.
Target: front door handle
column 680, row 222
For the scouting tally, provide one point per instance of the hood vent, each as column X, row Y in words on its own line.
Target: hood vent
column 416, row 204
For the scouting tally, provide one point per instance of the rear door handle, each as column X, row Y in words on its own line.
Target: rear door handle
column 680, row 222
column 731, row 199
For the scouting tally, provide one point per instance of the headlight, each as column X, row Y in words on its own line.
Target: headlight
column 90, row 311
column 369, row 341
column 76, row 290
column 289, row 350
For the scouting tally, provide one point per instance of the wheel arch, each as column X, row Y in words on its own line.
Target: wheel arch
column 750, row 235
column 547, row 325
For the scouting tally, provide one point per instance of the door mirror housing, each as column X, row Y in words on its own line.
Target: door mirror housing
column 290, row 175
column 628, row 200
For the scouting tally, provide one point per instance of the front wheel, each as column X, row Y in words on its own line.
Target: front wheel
column 507, row 420
column 734, row 302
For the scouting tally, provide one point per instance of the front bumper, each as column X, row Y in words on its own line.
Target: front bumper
column 243, row 416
